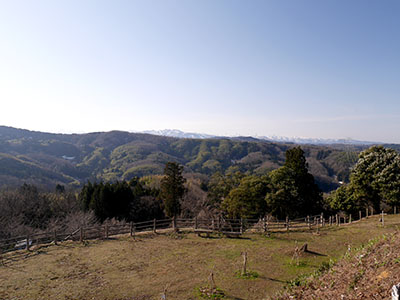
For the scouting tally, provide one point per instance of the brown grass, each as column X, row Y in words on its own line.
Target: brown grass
column 123, row 268
column 368, row 272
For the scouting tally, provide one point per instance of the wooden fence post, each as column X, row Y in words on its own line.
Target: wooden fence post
column 131, row 229
column 287, row 223
column 264, row 225
column 383, row 220
column 241, row 225
column 244, row 268
column 173, row 223
column 359, row 215
column 318, row 221
column 55, row 237
column 106, row 231
column 195, row 223
column 154, row 226
column 350, row 221
column 337, row 220
column 213, row 286
column 366, row 211
column 27, row 242
column 372, row 211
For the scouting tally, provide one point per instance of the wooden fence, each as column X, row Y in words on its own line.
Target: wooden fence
column 228, row 227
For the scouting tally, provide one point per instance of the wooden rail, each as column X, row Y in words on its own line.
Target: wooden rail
column 221, row 226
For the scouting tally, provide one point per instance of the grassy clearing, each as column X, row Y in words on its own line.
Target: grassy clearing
column 139, row 269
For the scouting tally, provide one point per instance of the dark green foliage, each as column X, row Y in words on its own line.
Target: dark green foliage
column 283, row 198
column 248, row 199
column 220, row 185
column 105, row 203
column 50, row 159
column 85, row 196
column 121, row 200
column 293, row 189
column 296, row 161
column 172, row 188
column 343, row 199
column 374, row 180
column 60, row 189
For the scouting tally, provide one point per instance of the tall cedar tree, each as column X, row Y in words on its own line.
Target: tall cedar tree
column 293, row 189
column 172, row 188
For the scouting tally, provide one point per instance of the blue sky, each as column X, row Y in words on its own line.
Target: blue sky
column 328, row 69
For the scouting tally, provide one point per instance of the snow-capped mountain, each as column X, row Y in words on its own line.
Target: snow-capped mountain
column 179, row 134
column 314, row 141
column 273, row 138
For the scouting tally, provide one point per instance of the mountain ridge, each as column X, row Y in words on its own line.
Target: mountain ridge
column 47, row 159
column 273, row 138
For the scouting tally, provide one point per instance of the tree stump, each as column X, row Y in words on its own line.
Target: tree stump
column 304, row 248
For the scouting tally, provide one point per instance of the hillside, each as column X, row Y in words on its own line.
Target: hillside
column 368, row 272
column 71, row 159
column 127, row 269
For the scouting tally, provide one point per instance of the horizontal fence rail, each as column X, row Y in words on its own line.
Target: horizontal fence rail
column 228, row 227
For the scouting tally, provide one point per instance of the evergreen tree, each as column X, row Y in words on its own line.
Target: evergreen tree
column 172, row 188
column 282, row 200
column 248, row 199
column 343, row 199
column 108, row 200
column 293, row 189
column 85, row 196
column 220, row 186
column 376, row 177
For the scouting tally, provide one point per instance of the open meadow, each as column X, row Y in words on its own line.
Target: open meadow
column 126, row 268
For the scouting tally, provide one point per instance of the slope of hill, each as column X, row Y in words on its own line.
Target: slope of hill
column 126, row 268
column 367, row 273
column 72, row 159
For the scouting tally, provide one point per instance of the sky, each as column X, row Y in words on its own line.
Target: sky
column 304, row 68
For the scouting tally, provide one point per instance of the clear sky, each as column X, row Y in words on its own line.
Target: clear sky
column 328, row 69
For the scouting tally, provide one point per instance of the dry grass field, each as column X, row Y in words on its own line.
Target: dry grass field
column 122, row 268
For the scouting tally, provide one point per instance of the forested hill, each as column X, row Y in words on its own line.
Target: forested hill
column 46, row 159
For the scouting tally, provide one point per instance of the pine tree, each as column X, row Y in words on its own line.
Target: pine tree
column 172, row 188
column 293, row 189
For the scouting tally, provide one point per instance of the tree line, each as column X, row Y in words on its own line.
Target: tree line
column 289, row 191
column 374, row 182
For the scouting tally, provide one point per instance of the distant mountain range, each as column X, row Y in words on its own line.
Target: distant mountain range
column 296, row 140
column 47, row 159
column 179, row 134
